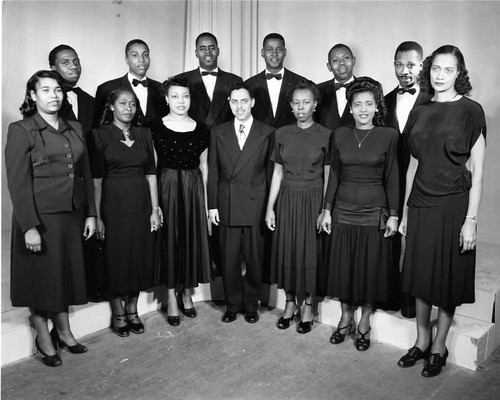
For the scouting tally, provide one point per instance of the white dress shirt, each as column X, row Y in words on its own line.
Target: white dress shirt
column 209, row 81
column 341, row 99
column 242, row 137
column 140, row 91
column 274, row 88
column 73, row 100
column 404, row 104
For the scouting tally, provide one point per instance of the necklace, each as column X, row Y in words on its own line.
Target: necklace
column 362, row 140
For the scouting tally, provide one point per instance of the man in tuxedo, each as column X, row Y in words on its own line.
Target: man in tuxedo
column 209, row 84
column 65, row 60
column 332, row 110
column 151, row 102
column 399, row 102
column 238, row 183
column 273, row 85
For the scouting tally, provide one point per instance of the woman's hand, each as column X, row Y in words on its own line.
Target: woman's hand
column 89, row 227
column 326, row 221
column 318, row 221
column 391, row 227
column 468, row 235
column 270, row 220
column 155, row 219
column 213, row 216
column 100, row 229
column 33, row 240
column 402, row 225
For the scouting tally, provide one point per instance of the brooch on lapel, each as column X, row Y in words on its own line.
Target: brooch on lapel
column 41, row 161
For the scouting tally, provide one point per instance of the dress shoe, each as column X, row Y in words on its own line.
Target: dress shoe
column 251, row 317
column 188, row 312
column 57, row 341
column 173, row 320
column 413, row 355
column 284, row 323
column 135, row 324
column 229, row 317
column 50, row 361
column 434, row 364
column 339, row 337
column 122, row 331
column 362, row 343
column 305, row 326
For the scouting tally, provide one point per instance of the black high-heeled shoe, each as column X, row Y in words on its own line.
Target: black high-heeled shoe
column 305, row 326
column 122, row 331
column 188, row 312
column 362, row 343
column 434, row 364
column 284, row 323
column 50, row 361
column 339, row 337
column 135, row 327
column 414, row 354
column 57, row 341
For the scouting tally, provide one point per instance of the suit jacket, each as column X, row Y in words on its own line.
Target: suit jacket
column 213, row 112
column 86, row 107
column 238, row 180
column 327, row 111
column 157, row 105
column 48, row 171
column 263, row 109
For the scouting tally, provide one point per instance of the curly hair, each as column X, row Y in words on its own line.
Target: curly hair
column 175, row 81
column 28, row 108
column 462, row 83
column 365, row 84
column 305, row 84
column 107, row 115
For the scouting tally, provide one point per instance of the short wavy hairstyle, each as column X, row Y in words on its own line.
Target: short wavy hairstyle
column 175, row 81
column 28, row 108
column 107, row 115
column 365, row 84
column 305, row 84
column 462, row 83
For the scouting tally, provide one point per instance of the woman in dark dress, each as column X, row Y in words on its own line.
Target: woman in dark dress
column 446, row 139
column 301, row 168
column 50, row 185
column 182, row 146
column 126, row 197
column 363, row 192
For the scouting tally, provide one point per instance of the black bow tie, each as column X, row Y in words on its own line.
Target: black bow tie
column 205, row 73
column 271, row 76
column 75, row 90
column 339, row 85
column 136, row 82
column 412, row 91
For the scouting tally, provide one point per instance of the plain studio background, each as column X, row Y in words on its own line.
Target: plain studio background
column 99, row 30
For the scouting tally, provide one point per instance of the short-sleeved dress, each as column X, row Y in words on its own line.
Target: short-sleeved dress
column 182, row 198
column 296, row 244
column 363, row 190
column 129, row 244
column 440, row 137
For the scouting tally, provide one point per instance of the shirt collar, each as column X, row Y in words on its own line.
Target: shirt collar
column 346, row 82
column 248, row 124
column 281, row 71
column 131, row 77
column 216, row 69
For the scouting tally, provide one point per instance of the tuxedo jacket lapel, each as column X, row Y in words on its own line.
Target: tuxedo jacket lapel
column 230, row 143
column 253, row 141
column 391, row 117
column 219, row 98
column 200, row 90
column 262, row 96
column 286, row 87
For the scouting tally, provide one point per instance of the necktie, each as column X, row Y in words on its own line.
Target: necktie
column 271, row 76
column 339, row 85
column 204, row 73
column 412, row 91
column 136, row 82
column 241, row 136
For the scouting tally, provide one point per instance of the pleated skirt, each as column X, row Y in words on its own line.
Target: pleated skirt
column 186, row 252
column 296, row 244
column 434, row 270
column 54, row 278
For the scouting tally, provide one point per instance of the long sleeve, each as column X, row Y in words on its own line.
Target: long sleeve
column 391, row 176
column 213, row 172
column 334, row 176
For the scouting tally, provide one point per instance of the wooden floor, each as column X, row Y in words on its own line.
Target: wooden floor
column 204, row 358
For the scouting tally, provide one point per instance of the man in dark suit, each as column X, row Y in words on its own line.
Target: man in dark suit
column 273, row 85
column 151, row 102
column 209, row 84
column 332, row 110
column 65, row 60
column 238, row 182
column 399, row 102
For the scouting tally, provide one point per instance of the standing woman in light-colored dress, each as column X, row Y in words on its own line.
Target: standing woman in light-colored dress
column 446, row 138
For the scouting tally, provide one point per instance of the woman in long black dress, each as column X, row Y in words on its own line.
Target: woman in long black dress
column 182, row 147
column 50, row 185
column 301, row 168
column 363, row 192
column 446, row 139
column 126, row 197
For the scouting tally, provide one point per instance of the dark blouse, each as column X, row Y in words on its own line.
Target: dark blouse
column 364, row 177
column 179, row 150
column 441, row 136
column 303, row 153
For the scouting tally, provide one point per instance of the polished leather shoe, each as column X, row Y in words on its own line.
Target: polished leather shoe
column 251, row 317
column 78, row 348
column 50, row 361
column 173, row 320
column 413, row 355
column 229, row 317
column 434, row 364
column 188, row 312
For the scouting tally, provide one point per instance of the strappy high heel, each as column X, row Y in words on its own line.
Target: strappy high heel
column 305, row 326
column 122, row 331
column 135, row 327
column 362, row 343
column 338, row 337
column 284, row 323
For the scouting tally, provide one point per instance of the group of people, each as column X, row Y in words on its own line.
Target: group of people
column 320, row 189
